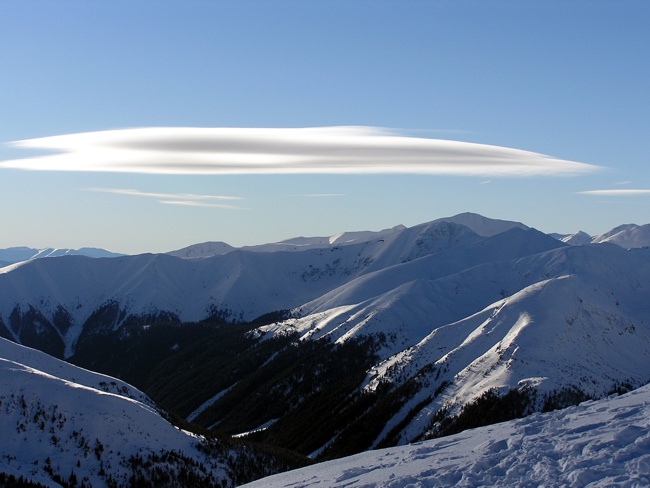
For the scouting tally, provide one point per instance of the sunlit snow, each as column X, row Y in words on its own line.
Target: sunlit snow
column 602, row 443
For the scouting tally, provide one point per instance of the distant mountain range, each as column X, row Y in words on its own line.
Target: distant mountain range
column 14, row 255
column 331, row 346
column 477, row 223
column 627, row 236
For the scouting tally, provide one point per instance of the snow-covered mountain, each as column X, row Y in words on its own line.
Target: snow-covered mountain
column 598, row 443
column 17, row 254
column 409, row 300
column 457, row 308
column 580, row 238
column 569, row 317
column 478, row 224
column 483, row 226
column 209, row 249
column 627, row 236
column 62, row 424
column 204, row 250
column 58, row 302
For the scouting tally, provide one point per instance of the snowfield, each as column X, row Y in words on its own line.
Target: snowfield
column 598, row 443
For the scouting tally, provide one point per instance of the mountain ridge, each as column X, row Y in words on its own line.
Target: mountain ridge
column 482, row 226
column 13, row 255
column 625, row 235
column 429, row 319
column 63, row 295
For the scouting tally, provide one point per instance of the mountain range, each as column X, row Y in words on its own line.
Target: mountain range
column 330, row 346
column 627, row 236
column 57, row 301
column 14, row 255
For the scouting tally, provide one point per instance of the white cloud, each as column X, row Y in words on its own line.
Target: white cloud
column 188, row 203
column 616, row 193
column 336, row 150
column 182, row 196
column 187, row 199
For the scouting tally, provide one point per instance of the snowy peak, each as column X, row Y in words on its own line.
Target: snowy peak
column 483, row 226
column 578, row 239
column 204, row 250
column 627, row 236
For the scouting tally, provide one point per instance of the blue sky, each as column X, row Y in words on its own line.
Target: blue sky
column 564, row 79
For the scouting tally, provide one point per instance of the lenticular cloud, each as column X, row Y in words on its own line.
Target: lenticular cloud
column 616, row 193
column 336, row 150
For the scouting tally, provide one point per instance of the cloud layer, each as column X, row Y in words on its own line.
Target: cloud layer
column 616, row 193
column 186, row 199
column 334, row 150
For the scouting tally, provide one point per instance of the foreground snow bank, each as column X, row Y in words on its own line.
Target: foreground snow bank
column 599, row 443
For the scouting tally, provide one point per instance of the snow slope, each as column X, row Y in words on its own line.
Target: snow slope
column 562, row 318
column 522, row 342
column 406, row 302
column 63, row 295
column 66, row 372
column 598, row 443
column 57, row 419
